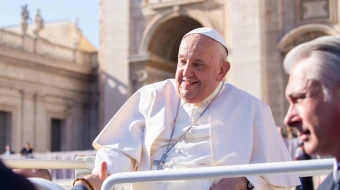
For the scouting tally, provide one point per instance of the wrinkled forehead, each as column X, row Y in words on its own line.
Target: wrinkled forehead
column 297, row 79
column 308, row 68
column 299, row 70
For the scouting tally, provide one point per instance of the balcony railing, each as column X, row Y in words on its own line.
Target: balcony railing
column 301, row 168
column 45, row 48
column 60, row 164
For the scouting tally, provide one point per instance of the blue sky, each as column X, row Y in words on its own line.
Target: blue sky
column 86, row 10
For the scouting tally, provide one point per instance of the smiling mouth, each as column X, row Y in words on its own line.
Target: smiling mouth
column 306, row 132
column 189, row 82
column 304, row 135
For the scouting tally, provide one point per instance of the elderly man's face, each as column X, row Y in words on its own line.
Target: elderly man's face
column 200, row 67
column 315, row 117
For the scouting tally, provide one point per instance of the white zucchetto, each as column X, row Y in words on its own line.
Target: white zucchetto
column 211, row 33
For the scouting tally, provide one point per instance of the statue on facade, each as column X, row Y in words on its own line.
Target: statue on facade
column 76, row 34
column 38, row 23
column 24, row 19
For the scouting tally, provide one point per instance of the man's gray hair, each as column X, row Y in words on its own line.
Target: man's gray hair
column 326, row 53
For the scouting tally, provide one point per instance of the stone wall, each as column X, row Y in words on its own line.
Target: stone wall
column 259, row 33
column 35, row 88
column 115, row 30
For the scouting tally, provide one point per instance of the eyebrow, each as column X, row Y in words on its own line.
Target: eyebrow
column 199, row 60
column 297, row 94
column 196, row 60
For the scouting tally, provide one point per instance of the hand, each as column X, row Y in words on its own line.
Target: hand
column 39, row 173
column 96, row 180
column 239, row 183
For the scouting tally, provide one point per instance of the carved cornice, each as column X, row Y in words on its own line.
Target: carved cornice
column 158, row 62
column 304, row 33
column 316, row 11
column 146, row 65
column 16, row 88
column 152, row 60
column 29, row 60
column 164, row 4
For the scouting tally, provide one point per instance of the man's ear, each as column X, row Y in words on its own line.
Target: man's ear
column 224, row 68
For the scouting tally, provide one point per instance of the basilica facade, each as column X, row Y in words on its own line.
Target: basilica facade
column 48, row 86
column 139, row 42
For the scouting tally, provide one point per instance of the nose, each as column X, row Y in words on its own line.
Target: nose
column 188, row 70
column 292, row 118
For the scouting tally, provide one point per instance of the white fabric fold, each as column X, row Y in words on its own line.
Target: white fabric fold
column 242, row 131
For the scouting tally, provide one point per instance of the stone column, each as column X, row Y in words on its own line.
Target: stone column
column 138, row 73
column 253, row 30
column 91, row 113
column 243, row 27
column 27, row 117
column 76, row 127
column 69, row 131
column 41, row 124
column 113, row 53
column 80, row 130
column 273, row 87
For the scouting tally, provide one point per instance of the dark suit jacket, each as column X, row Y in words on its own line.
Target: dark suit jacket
column 328, row 183
column 10, row 180
column 79, row 187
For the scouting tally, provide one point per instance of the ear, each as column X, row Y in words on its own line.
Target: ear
column 224, row 68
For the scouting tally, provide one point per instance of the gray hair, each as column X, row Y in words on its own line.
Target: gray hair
column 326, row 69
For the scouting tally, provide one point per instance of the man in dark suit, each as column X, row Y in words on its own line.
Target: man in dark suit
column 10, row 180
column 313, row 92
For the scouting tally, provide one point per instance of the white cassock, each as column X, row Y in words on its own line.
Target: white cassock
column 237, row 128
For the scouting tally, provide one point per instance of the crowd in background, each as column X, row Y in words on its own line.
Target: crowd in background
column 26, row 151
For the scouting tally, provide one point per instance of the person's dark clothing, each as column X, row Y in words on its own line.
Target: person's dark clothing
column 10, row 180
column 25, row 151
column 329, row 183
column 306, row 182
column 79, row 187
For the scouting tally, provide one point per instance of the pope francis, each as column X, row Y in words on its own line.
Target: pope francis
column 194, row 120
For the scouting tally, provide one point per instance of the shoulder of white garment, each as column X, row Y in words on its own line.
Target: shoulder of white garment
column 243, row 95
column 167, row 88
column 264, row 134
column 136, row 108
column 170, row 85
column 158, row 86
column 261, row 109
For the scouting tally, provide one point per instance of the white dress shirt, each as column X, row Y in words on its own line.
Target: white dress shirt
column 335, row 170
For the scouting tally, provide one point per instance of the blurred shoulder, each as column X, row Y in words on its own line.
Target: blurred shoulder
column 244, row 96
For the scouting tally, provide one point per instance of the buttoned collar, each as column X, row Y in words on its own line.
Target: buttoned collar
column 335, row 169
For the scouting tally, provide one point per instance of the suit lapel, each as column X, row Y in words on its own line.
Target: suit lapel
column 327, row 184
